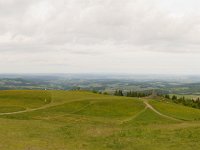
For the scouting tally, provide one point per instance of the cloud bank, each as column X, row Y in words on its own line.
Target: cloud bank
column 99, row 36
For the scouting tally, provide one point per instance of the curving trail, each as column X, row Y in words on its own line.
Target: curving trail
column 124, row 121
column 159, row 113
column 29, row 110
column 147, row 105
column 135, row 116
column 51, row 104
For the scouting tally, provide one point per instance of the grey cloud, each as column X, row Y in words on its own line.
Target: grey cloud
column 131, row 24
column 74, row 28
column 77, row 22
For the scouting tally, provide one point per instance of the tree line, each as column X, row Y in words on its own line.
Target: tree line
column 132, row 93
column 195, row 103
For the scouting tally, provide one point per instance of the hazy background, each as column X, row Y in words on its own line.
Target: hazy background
column 100, row 36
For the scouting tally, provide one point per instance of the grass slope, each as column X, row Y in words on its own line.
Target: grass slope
column 176, row 110
column 16, row 100
column 83, row 120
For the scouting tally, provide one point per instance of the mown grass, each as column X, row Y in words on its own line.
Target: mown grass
column 80, row 120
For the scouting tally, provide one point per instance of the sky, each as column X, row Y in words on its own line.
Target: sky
column 100, row 36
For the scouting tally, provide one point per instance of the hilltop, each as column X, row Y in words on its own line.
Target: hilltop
column 42, row 119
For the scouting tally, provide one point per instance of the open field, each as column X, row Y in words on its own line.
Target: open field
column 73, row 120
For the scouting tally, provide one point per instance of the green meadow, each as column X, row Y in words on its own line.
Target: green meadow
column 81, row 120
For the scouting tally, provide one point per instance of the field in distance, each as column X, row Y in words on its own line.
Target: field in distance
column 73, row 120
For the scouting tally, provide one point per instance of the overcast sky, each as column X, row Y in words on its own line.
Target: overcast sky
column 100, row 36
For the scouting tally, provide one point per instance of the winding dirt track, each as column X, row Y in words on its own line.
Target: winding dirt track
column 29, row 110
column 127, row 120
column 147, row 105
column 135, row 116
column 159, row 113
column 51, row 104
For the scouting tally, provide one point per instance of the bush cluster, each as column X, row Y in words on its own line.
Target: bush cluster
column 195, row 103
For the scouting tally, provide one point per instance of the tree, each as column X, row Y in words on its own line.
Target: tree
column 118, row 93
column 174, row 97
column 167, row 96
column 105, row 93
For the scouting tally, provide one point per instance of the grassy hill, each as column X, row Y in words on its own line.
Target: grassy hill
column 62, row 120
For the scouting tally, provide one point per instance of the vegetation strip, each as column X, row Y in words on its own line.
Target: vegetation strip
column 74, row 112
column 133, row 117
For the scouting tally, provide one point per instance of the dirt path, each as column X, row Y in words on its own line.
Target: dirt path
column 52, row 104
column 74, row 112
column 143, row 110
column 159, row 113
column 126, row 120
column 29, row 110
column 133, row 117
